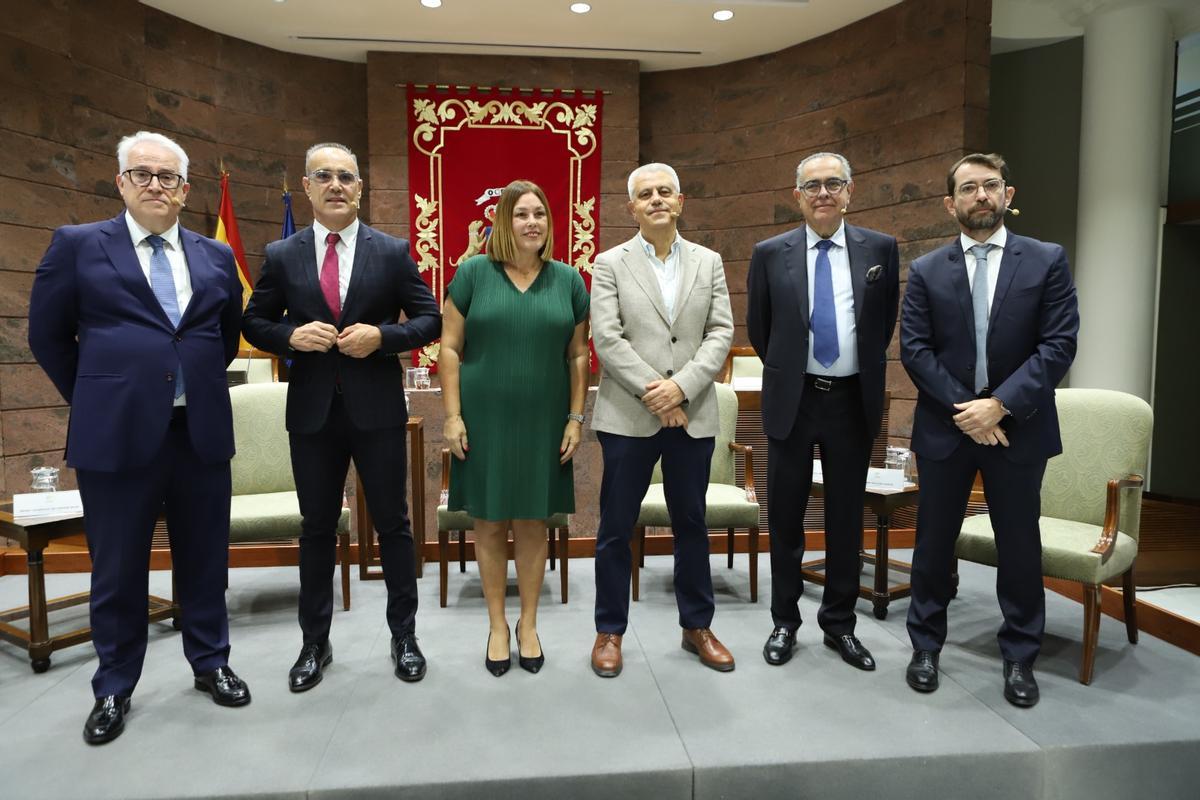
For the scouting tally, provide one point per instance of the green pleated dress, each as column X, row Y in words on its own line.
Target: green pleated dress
column 515, row 390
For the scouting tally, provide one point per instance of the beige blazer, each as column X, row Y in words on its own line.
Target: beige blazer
column 637, row 344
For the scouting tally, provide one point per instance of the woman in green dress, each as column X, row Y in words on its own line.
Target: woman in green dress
column 514, row 373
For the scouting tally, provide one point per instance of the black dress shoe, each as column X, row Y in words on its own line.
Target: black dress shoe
column 922, row 672
column 778, row 649
column 535, row 663
column 1020, row 687
column 226, row 688
column 852, row 650
column 499, row 666
column 310, row 666
column 410, row 662
column 107, row 719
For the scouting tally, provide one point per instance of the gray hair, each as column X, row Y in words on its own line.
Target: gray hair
column 838, row 156
column 646, row 169
column 336, row 146
column 127, row 143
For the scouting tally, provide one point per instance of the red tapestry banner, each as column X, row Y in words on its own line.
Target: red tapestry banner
column 466, row 145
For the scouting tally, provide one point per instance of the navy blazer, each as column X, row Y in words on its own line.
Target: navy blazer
column 777, row 319
column 384, row 281
column 98, row 331
column 1032, row 332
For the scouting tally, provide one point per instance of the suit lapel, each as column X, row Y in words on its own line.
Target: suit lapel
column 689, row 268
column 118, row 246
column 956, row 267
column 636, row 262
column 860, row 260
column 362, row 257
column 795, row 262
column 306, row 255
column 1010, row 262
column 197, row 271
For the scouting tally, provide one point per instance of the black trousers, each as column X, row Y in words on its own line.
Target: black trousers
column 1013, row 494
column 320, row 462
column 834, row 420
column 628, row 464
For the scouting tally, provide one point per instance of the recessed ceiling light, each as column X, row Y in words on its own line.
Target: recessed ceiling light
column 580, row 8
column 724, row 15
column 432, row 3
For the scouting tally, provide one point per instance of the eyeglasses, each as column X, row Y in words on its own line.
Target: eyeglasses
column 142, row 177
column 992, row 186
column 324, row 176
column 832, row 185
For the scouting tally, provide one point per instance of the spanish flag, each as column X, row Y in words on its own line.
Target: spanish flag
column 227, row 232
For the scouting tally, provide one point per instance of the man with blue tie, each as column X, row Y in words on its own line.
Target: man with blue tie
column 135, row 320
column 989, row 329
column 820, row 313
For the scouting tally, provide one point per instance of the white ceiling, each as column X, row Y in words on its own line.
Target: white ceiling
column 661, row 34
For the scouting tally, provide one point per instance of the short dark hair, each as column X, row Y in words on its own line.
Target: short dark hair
column 992, row 160
column 502, row 245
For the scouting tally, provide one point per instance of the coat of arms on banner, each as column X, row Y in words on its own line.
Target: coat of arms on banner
column 465, row 146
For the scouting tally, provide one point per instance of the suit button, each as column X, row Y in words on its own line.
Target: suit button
column 170, row 377
column 673, row 340
column 179, row 338
column 670, row 372
column 970, row 368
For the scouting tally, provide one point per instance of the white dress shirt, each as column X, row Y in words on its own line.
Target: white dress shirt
column 995, row 256
column 345, row 251
column 843, row 301
column 667, row 272
column 175, row 257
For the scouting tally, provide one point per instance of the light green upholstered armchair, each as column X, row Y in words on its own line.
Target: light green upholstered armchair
column 728, row 506
column 460, row 522
column 1091, row 504
column 264, row 506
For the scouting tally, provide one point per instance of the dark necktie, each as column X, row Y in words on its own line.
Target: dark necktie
column 330, row 273
column 162, row 283
column 823, row 322
column 979, row 306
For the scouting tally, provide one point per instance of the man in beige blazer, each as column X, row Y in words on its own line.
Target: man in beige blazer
column 662, row 326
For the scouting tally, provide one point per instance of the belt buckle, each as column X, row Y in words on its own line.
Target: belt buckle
column 824, row 384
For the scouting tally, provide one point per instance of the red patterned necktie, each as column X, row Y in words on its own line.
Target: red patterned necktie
column 330, row 274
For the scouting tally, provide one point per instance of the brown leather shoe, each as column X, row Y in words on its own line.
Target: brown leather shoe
column 712, row 653
column 606, row 655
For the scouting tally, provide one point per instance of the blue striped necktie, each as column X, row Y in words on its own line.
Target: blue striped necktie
column 823, row 321
column 979, row 306
column 162, row 282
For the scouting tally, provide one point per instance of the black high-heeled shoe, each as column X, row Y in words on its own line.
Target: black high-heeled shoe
column 530, row 664
column 499, row 667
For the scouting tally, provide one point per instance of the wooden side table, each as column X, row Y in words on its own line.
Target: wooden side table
column 369, row 564
column 34, row 535
column 880, row 592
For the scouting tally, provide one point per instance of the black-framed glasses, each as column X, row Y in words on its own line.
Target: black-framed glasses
column 992, row 186
column 323, row 176
column 142, row 177
column 832, row 185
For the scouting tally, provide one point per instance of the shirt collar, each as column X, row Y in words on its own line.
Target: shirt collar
column 138, row 234
column 349, row 233
column 838, row 237
column 999, row 239
column 649, row 248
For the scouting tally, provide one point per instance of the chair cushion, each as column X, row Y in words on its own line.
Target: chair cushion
column 1066, row 548
column 262, row 517
column 726, row 507
column 462, row 521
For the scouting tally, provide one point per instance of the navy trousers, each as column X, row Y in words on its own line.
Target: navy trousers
column 120, row 509
column 628, row 465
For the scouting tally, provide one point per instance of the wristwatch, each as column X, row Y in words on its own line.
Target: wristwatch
column 580, row 418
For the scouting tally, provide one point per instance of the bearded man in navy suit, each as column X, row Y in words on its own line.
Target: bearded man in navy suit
column 135, row 320
column 988, row 330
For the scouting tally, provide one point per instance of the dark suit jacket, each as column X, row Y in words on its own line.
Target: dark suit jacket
column 1032, row 332
column 777, row 319
column 383, row 282
column 98, row 331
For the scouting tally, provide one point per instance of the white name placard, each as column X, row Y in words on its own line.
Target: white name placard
column 47, row 504
column 885, row 478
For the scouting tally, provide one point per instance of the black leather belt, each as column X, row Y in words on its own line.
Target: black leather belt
column 827, row 383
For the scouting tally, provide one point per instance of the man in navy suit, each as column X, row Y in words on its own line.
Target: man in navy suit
column 135, row 320
column 821, row 311
column 343, row 286
column 988, row 330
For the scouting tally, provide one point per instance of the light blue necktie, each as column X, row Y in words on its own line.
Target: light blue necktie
column 979, row 305
column 823, row 321
column 162, row 282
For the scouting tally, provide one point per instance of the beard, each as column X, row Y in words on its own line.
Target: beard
column 980, row 222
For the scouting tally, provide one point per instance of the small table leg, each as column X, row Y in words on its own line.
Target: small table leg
column 881, row 596
column 39, row 626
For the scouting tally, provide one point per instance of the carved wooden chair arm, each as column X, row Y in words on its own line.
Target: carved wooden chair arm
column 444, row 497
column 747, row 452
column 1112, row 515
